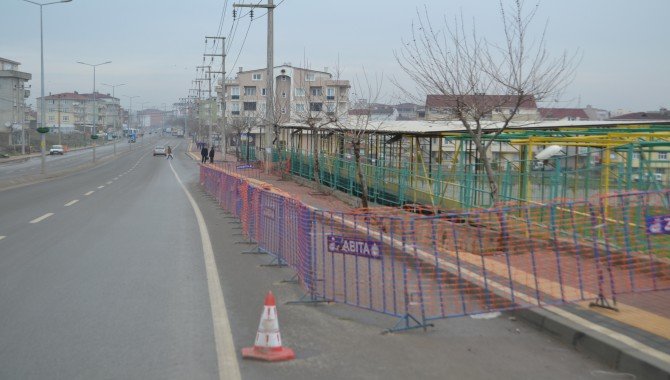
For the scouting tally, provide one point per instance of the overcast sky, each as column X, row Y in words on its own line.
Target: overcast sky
column 155, row 46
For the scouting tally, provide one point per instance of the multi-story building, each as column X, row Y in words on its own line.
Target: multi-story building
column 298, row 92
column 13, row 92
column 72, row 110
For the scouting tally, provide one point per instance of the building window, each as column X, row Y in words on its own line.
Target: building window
column 330, row 93
column 300, row 107
column 250, row 106
column 52, row 118
column 316, row 91
column 262, row 91
column 258, row 76
column 283, row 94
column 663, row 155
column 330, row 107
column 299, row 92
column 283, row 110
column 66, row 118
column 315, row 107
column 249, row 91
column 636, row 155
column 310, row 77
column 235, row 108
column 234, row 92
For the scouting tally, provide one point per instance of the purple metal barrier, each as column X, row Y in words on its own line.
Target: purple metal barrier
column 420, row 268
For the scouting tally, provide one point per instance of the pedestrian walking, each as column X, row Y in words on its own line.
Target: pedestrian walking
column 211, row 155
column 169, row 153
column 203, row 153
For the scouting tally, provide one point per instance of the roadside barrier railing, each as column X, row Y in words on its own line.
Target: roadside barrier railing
column 424, row 267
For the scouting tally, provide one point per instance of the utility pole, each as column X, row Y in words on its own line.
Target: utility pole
column 269, row 104
column 223, row 90
column 209, row 103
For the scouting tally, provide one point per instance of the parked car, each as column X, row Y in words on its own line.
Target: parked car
column 56, row 149
column 159, row 150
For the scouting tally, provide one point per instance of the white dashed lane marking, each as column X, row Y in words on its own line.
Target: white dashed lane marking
column 41, row 218
column 2, row 237
column 109, row 182
column 90, row 192
column 70, row 203
column 101, row 186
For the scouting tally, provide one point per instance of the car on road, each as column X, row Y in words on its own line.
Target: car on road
column 159, row 150
column 56, row 149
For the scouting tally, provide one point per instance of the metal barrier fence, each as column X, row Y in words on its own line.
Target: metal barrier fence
column 423, row 267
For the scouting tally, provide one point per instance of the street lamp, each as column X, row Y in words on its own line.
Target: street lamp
column 114, row 86
column 43, row 137
column 130, row 117
column 95, row 101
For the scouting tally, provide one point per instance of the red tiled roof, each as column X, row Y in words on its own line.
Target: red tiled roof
column 484, row 101
column 562, row 113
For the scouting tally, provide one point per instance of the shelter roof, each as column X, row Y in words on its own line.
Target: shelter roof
column 436, row 128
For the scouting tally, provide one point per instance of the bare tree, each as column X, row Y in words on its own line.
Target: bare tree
column 243, row 125
column 484, row 83
column 318, row 116
column 359, row 124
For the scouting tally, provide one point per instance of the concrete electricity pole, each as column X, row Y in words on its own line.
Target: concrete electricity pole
column 223, row 91
column 269, row 105
column 208, row 78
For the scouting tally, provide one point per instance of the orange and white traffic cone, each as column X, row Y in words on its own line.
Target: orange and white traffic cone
column 268, row 340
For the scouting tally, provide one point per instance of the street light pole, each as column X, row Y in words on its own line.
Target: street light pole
column 95, row 101
column 114, row 86
column 43, row 142
column 130, row 118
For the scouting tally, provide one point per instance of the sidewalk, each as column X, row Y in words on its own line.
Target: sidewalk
column 635, row 339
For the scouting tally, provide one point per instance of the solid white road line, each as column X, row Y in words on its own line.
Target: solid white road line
column 70, row 203
column 101, row 186
column 223, row 337
column 41, row 218
column 90, row 192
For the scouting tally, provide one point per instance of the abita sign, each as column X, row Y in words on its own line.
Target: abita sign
column 354, row 246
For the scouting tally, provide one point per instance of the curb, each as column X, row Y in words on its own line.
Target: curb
column 601, row 347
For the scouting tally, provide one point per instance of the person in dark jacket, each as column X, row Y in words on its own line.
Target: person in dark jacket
column 203, row 153
column 211, row 155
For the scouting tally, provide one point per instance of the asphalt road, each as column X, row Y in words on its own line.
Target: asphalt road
column 115, row 286
column 13, row 170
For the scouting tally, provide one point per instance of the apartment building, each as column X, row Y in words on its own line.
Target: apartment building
column 298, row 92
column 13, row 92
column 72, row 110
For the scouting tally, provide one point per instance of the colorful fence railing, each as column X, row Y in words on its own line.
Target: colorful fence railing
column 419, row 268
column 464, row 186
